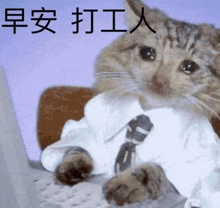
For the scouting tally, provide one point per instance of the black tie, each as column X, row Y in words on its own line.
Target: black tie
column 138, row 128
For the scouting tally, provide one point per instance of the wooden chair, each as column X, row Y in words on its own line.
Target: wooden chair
column 59, row 104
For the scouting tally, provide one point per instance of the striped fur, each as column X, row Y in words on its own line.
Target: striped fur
column 174, row 42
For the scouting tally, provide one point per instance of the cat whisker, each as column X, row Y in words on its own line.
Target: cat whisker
column 113, row 74
column 212, row 98
column 194, row 102
column 124, row 89
column 216, row 94
column 202, row 104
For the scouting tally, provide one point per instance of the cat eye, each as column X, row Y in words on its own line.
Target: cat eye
column 148, row 53
column 188, row 66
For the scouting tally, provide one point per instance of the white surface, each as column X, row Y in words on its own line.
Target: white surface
column 81, row 195
column 34, row 62
column 89, row 195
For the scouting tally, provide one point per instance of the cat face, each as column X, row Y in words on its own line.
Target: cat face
column 177, row 66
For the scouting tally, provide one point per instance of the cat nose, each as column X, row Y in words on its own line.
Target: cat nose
column 160, row 84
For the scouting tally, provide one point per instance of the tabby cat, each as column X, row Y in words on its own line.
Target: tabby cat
column 178, row 66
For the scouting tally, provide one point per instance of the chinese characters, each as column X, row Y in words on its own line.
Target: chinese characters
column 15, row 18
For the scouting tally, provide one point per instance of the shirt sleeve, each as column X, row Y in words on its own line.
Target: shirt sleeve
column 74, row 133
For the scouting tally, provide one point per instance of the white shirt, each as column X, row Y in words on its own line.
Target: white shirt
column 182, row 142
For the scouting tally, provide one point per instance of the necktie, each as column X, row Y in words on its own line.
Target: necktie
column 137, row 130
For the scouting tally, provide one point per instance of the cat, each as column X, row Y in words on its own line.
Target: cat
column 178, row 66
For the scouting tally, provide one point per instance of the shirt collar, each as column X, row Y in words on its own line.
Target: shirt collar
column 107, row 115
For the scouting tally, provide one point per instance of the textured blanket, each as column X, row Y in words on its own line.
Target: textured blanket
column 89, row 194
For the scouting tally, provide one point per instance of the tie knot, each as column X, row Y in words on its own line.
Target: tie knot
column 138, row 128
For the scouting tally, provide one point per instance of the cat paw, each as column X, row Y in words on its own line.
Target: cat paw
column 135, row 185
column 75, row 167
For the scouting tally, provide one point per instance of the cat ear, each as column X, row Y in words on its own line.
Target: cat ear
column 133, row 10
